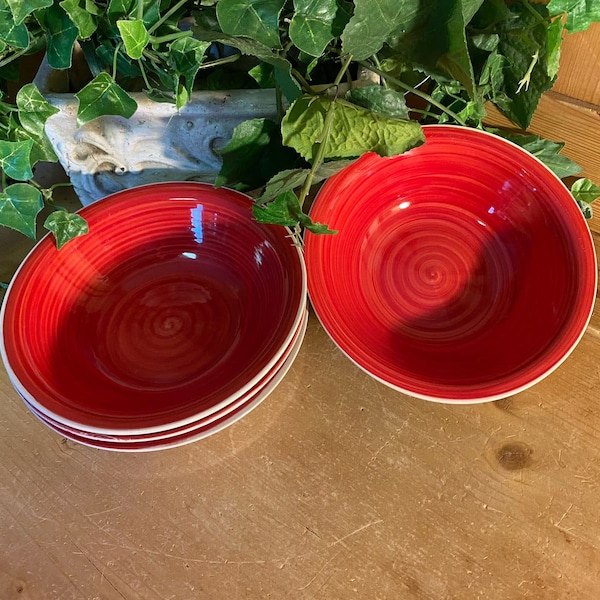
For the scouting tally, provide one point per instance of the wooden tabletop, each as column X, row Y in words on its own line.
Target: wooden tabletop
column 335, row 487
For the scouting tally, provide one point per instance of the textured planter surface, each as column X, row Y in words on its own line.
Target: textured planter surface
column 158, row 143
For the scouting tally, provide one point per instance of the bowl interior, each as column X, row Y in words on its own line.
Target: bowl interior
column 177, row 300
column 462, row 270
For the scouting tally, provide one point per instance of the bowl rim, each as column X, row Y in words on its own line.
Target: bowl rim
column 168, row 424
column 514, row 390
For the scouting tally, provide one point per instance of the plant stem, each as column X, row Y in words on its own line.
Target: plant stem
column 345, row 64
column 220, row 61
column 303, row 83
column 319, row 157
column 328, row 122
column 115, row 56
column 144, row 76
column 426, row 113
column 170, row 36
column 378, row 65
column 166, row 16
column 60, row 184
column 413, row 90
column 318, row 161
column 12, row 57
column 140, row 9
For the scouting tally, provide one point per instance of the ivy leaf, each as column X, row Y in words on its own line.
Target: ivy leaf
column 384, row 101
column 65, row 226
column 286, row 210
column 256, row 19
column 431, row 35
column 182, row 97
column 278, row 211
column 92, row 8
column 41, row 149
column 253, row 155
column 311, row 27
column 586, row 209
column 151, row 11
column 373, row 22
column 21, row 8
column 290, row 179
column 353, row 132
column 555, row 34
column 282, row 67
column 15, row 159
column 263, row 74
column 584, row 190
column 492, row 73
column 580, row 13
column 545, row 150
column 135, row 37
column 61, row 34
column 485, row 41
column 82, row 17
column 102, row 96
column 526, row 75
column 118, row 8
column 20, row 204
column 11, row 33
column 185, row 57
column 282, row 182
column 434, row 39
column 34, row 109
column 490, row 13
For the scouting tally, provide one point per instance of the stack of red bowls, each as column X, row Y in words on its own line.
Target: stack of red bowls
column 173, row 318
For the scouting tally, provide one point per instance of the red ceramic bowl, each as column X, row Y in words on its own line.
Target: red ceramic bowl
column 186, row 432
column 192, row 435
column 176, row 303
column 463, row 270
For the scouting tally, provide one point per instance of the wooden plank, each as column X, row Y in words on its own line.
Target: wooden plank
column 564, row 120
column 579, row 73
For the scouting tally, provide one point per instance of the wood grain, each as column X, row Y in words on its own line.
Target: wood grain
column 579, row 73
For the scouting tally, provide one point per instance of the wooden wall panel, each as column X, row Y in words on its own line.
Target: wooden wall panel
column 579, row 74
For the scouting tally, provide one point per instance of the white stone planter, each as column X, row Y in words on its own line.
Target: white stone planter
column 158, row 143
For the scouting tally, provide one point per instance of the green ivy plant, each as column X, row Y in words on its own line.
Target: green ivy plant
column 440, row 61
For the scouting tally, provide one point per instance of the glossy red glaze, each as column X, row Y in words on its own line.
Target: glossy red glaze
column 185, row 432
column 175, row 303
column 223, row 420
column 463, row 270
